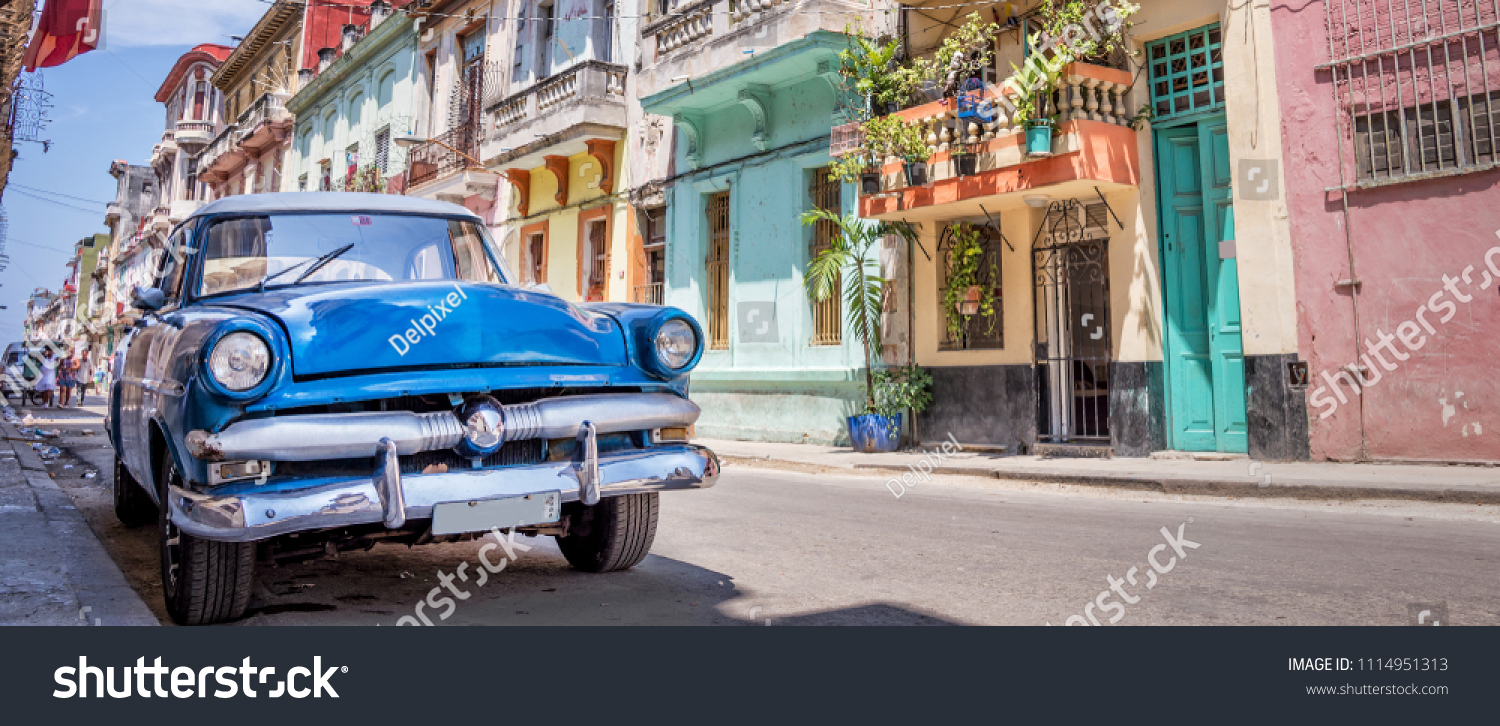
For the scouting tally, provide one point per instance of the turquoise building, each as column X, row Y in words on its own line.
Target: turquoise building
column 349, row 113
column 750, row 156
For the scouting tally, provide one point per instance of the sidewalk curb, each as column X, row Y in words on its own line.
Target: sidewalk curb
column 103, row 594
column 1174, row 485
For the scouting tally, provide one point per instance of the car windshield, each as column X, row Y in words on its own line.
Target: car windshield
column 289, row 249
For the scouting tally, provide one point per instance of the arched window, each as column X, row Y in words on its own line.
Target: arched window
column 200, row 96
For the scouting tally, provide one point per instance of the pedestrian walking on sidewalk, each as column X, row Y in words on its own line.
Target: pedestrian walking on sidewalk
column 67, row 380
column 46, row 380
column 85, row 378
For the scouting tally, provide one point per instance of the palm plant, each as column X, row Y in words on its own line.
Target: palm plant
column 851, row 259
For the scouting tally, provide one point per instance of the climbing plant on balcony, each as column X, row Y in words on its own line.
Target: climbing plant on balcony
column 873, row 70
column 1093, row 31
column 964, row 54
column 884, row 137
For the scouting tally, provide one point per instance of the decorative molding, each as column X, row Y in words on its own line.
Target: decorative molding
column 521, row 180
column 603, row 151
column 691, row 125
column 828, row 72
column 757, row 98
column 558, row 165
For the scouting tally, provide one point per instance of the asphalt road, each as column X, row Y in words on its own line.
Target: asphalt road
column 778, row 547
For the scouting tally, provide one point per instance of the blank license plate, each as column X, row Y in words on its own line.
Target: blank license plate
column 482, row 514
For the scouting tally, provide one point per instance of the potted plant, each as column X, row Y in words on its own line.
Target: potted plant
column 1033, row 107
column 1105, row 46
column 906, row 142
column 851, row 259
column 962, row 55
column 966, row 295
column 875, row 72
column 965, row 161
column 898, row 390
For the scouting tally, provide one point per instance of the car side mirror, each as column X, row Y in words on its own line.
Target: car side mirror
column 149, row 299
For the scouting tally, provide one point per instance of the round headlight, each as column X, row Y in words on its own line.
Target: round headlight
column 240, row 361
column 676, row 343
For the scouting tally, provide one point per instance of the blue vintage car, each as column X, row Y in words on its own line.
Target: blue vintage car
column 318, row 372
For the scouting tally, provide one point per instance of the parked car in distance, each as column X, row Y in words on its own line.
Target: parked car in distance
column 20, row 370
column 320, row 372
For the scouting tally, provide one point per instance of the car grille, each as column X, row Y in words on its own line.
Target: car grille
column 512, row 453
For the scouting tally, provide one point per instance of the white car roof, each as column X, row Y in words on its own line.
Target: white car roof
column 342, row 202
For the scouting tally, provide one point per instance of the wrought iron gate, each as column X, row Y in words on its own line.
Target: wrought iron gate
column 1072, row 323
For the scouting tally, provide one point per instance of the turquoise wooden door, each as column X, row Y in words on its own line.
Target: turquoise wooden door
column 1205, row 354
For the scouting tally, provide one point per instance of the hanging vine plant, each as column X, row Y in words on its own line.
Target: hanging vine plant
column 967, row 294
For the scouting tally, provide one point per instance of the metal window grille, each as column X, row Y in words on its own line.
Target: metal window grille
column 1418, row 87
column 980, row 332
column 827, row 195
column 718, row 271
column 655, row 248
column 1187, row 73
column 302, row 183
column 599, row 265
column 536, row 258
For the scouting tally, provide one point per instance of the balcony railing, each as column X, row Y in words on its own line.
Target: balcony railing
column 650, row 294
column 590, row 79
column 432, row 159
column 222, row 144
column 690, row 24
column 193, row 133
column 269, row 107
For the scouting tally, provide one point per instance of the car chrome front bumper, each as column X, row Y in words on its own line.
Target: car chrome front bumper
column 392, row 499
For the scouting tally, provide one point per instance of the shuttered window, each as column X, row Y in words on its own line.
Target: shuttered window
column 1424, row 138
column 827, row 194
column 383, row 150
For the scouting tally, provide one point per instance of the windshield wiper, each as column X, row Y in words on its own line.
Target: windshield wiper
column 321, row 261
column 317, row 264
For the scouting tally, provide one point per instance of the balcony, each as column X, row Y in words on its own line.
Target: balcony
column 181, row 209
column 445, row 168
column 695, row 38
column 266, row 122
column 560, row 116
column 1093, row 149
column 160, row 220
column 222, row 156
column 192, row 135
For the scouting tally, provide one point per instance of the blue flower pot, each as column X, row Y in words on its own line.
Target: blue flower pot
column 872, row 433
column 1039, row 138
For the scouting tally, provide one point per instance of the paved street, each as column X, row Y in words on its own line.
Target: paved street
column 822, row 547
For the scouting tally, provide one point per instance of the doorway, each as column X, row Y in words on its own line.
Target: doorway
column 1073, row 324
column 1203, row 346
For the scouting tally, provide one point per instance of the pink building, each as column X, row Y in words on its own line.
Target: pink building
column 1390, row 123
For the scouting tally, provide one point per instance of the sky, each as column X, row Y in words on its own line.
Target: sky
column 103, row 109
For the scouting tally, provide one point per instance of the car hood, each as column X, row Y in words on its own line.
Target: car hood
column 355, row 327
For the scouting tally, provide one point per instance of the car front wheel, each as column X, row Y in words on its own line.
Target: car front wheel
column 615, row 534
column 203, row 581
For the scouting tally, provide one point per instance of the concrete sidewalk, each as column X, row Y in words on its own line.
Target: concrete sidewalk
column 1179, row 474
column 53, row 569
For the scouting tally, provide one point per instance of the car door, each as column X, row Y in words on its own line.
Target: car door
column 146, row 360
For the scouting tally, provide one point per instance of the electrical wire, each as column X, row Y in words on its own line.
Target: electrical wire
column 54, row 201
column 56, row 194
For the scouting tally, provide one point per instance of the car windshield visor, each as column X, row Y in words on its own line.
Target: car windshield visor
column 240, row 252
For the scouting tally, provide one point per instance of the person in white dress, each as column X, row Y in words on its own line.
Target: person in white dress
column 46, row 381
